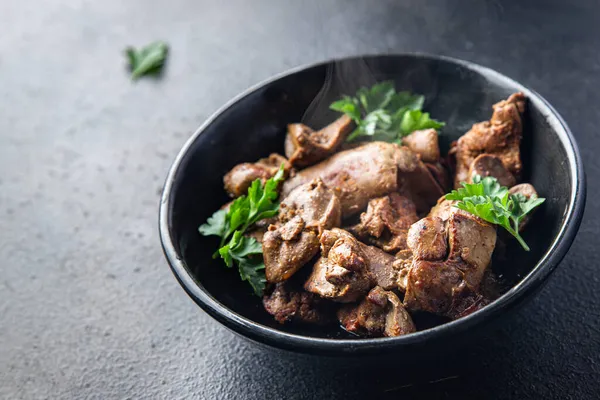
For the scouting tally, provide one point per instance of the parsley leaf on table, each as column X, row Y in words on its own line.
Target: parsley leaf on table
column 230, row 225
column 493, row 203
column 381, row 113
column 147, row 60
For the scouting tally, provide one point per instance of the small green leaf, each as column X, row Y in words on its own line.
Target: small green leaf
column 349, row 106
column 245, row 247
column 226, row 256
column 490, row 201
column 147, row 60
column 414, row 120
column 215, row 225
column 253, row 272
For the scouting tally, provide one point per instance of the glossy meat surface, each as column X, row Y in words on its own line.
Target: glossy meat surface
column 379, row 263
column 385, row 223
column 490, row 165
column 318, row 206
column 287, row 248
column 447, row 285
column 341, row 274
column 305, row 147
column 425, row 143
column 357, row 175
column 288, row 304
column 238, row 180
column 500, row 136
column 294, row 241
column 381, row 313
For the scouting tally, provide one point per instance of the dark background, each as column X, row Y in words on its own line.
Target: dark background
column 88, row 306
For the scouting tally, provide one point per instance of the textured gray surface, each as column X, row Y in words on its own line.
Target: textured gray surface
column 88, row 306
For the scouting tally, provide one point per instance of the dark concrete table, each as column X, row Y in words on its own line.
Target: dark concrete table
column 88, row 306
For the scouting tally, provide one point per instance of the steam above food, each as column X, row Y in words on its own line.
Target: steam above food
column 363, row 234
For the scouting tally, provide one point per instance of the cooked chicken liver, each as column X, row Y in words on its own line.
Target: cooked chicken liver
column 381, row 313
column 424, row 143
column 500, row 136
column 305, row 147
column 379, row 263
column 448, row 286
column 287, row 248
column 491, row 165
column 304, row 214
column 288, row 304
column 341, row 274
column 318, row 206
column 427, row 239
column 372, row 170
column 357, row 175
column 386, row 222
column 238, row 180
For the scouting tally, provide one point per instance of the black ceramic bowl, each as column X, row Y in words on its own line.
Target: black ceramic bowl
column 254, row 124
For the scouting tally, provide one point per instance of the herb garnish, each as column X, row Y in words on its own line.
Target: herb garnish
column 381, row 113
column 493, row 203
column 230, row 225
column 149, row 59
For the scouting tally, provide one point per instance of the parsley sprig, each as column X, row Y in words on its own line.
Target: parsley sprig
column 493, row 203
column 147, row 60
column 230, row 225
column 381, row 113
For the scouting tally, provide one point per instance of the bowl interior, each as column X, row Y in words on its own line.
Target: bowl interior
column 254, row 125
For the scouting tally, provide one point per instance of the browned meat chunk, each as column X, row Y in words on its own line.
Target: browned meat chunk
column 471, row 241
column 440, row 174
column 402, row 265
column 438, row 287
column 238, row 180
column 318, row 206
column 295, row 305
column 357, row 175
column 386, row 222
column 372, row 170
column 526, row 189
column 415, row 181
column 381, row 266
column 448, row 286
column 380, row 314
column 304, row 214
column 443, row 209
column 341, row 274
column 305, row 147
column 427, row 239
column 500, row 136
column 490, row 165
column 425, row 144
column 379, row 263
column 287, row 248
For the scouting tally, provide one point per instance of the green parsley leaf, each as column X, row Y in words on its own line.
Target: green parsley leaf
column 230, row 225
column 215, row 225
column 253, row 271
column 347, row 105
column 147, row 60
column 244, row 246
column 382, row 114
column 493, row 203
column 414, row 120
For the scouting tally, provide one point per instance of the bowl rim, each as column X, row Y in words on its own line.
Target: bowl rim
column 315, row 345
